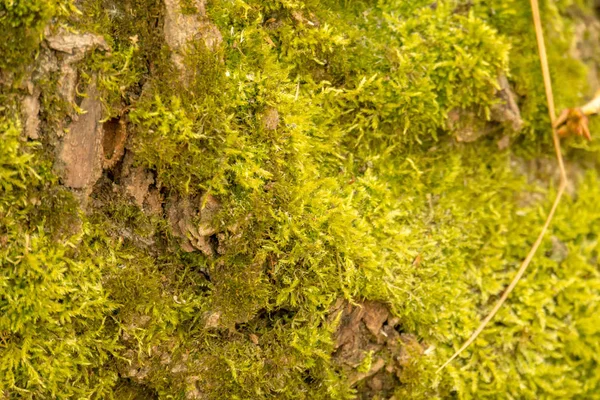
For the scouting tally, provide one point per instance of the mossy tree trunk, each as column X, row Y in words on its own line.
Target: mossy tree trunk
column 208, row 199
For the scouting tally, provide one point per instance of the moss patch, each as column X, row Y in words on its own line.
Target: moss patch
column 321, row 127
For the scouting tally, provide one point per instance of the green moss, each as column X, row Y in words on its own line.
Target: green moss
column 22, row 23
column 53, row 306
column 321, row 129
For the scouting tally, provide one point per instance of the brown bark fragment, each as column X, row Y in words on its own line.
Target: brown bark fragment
column 468, row 125
column 507, row 110
column 192, row 220
column 154, row 202
column 180, row 29
column 369, row 330
column 270, row 119
column 136, row 181
column 31, row 111
column 74, row 46
column 80, row 153
column 375, row 316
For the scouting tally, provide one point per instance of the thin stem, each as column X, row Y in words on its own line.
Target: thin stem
column 515, row 280
column 561, row 189
column 539, row 33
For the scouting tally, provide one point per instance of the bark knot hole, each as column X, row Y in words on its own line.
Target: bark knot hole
column 113, row 142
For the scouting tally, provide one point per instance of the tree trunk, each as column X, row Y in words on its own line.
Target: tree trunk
column 293, row 199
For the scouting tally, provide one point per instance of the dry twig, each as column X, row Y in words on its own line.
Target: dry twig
column 563, row 183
